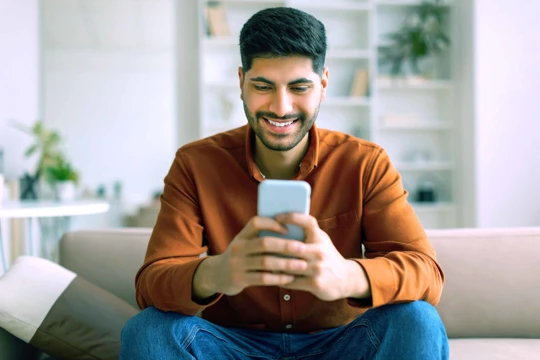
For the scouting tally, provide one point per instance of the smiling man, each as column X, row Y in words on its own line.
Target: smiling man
column 272, row 298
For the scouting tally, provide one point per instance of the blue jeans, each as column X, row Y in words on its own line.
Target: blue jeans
column 401, row 331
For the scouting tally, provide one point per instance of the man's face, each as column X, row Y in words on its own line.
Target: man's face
column 281, row 98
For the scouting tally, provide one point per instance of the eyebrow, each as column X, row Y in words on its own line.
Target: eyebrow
column 294, row 82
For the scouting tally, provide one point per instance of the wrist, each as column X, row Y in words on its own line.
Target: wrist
column 360, row 287
column 204, row 280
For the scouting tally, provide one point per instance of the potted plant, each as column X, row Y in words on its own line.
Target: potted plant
column 52, row 167
column 421, row 37
column 63, row 178
column 46, row 145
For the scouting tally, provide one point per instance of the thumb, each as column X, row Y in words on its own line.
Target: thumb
column 307, row 223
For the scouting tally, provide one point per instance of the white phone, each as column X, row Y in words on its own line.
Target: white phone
column 282, row 196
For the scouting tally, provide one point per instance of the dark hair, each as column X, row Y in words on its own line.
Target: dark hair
column 283, row 31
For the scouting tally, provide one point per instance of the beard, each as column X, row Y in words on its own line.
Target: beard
column 280, row 142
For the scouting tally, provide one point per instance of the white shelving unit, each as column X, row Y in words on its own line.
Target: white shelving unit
column 414, row 120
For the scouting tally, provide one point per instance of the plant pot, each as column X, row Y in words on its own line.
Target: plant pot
column 65, row 190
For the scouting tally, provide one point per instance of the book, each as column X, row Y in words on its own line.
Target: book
column 360, row 83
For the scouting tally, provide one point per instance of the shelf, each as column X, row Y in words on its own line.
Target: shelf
column 425, row 166
column 314, row 5
column 347, row 101
column 301, row 3
column 435, row 206
column 244, row 2
column 349, row 54
column 406, row 2
column 420, row 125
column 415, row 117
column 399, row 84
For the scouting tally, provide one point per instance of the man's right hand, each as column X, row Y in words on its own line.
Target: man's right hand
column 250, row 261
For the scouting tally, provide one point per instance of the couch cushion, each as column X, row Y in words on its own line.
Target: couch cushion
column 12, row 347
column 61, row 313
column 494, row 349
column 492, row 282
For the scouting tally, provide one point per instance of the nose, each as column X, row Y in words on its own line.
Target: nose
column 281, row 103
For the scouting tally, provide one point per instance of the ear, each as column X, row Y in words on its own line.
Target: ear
column 324, row 82
column 241, row 79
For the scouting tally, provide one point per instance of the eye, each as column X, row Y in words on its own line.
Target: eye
column 261, row 87
column 300, row 88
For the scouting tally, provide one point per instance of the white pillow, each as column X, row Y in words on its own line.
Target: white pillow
column 60, row 313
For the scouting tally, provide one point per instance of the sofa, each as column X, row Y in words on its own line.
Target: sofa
column 490, row 303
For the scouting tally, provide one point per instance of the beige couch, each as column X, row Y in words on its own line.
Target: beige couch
column 490, row 304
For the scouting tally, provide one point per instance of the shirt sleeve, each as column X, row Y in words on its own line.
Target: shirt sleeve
column 174, row 251
column 399, row 260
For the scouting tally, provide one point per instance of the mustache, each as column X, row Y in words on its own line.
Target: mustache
column 271, row 115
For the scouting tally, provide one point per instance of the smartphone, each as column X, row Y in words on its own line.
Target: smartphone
column 282, row 196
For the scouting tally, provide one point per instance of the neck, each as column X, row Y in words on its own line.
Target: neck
column 280, row 164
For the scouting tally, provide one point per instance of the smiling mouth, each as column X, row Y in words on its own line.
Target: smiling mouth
column 279, row 123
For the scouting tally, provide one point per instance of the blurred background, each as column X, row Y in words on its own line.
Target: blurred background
column 449, row 88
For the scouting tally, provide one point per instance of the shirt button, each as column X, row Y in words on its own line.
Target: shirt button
column 287, row 297
column 288, row 326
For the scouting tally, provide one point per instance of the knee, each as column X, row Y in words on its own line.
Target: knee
column 417, row 311
column 418, row 317
column 151, row 324
column 414, row 330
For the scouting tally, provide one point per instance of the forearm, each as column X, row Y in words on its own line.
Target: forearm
column 404, row 276
column 167, row 285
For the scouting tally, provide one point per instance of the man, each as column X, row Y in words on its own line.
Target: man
column 325, row 300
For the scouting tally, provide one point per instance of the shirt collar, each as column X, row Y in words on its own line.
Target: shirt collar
column 310, row 161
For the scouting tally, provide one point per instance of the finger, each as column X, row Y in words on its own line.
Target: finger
column 275, row 263
column 274, row 245
column 306, row 222
column 260, row 223
column 284, row 247
column 267, row 279
column 304, row 283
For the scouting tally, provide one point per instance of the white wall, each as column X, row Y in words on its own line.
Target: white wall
column 116, row 111
column 463, row 68
column 19, row 79
column 188, row 72
column 507, row 112
column 109, row 88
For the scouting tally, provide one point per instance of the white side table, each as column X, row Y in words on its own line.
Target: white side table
column 32, row 211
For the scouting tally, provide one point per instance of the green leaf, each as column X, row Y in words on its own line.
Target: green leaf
column 421, row 35
column 37, row 129
column 31, row 150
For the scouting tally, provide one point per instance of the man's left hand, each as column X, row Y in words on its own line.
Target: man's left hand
column 327, row 275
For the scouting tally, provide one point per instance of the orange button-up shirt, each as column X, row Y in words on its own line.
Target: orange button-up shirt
column 357, row 197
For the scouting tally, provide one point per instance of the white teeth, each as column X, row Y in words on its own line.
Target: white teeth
column 279, row 124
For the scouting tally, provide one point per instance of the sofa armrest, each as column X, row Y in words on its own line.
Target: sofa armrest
column 492, row 285
column 109, row 258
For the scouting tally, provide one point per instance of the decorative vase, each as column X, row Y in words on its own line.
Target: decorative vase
column 65, row 190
